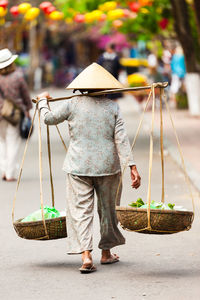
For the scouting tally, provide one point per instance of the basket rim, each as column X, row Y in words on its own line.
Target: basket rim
column 160, row 211
column 40, row 222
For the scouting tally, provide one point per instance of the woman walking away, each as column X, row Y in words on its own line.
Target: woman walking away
column 97, row 139
column 14, row 100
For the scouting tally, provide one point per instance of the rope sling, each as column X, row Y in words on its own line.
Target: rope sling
column 54, row 228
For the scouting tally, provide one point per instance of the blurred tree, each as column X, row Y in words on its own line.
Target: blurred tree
column 184, row 33
column 187, row 33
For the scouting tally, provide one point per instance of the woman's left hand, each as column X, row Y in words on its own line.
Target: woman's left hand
column 135, row 177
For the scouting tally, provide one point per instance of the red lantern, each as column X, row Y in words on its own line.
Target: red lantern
column 14, row 11
column 126, row 12
column 49, row 10
column 44, row 5
column 103, row 17
column 79, row 18
column 163, row 23
column 3, row 3
column 145, row 2
column 134, row 6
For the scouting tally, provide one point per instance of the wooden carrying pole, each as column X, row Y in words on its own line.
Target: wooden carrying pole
column 131, row 89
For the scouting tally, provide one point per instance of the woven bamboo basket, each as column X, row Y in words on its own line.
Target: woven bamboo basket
column 56, row 229
column 162, row 221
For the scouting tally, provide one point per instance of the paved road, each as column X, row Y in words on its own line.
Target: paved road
column 151, row 267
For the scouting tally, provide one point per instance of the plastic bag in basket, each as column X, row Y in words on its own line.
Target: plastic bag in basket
column 49, row 213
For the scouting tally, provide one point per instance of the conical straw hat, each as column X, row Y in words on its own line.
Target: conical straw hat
column 95, row 77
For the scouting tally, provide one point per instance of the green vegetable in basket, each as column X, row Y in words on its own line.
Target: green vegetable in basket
column 156, row 205
column 138, row 203
column 49, row 213
column 171, row 206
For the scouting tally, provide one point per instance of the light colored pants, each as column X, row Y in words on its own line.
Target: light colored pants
column 80, row 212
column 9, row 148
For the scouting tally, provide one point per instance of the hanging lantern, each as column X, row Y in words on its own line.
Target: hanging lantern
column 115, row 14
column 32, row 14
column 14, row 11
column 89, row 18
column 163, row 23
column 79, row 18
column 3, row 3
column 107, row 6
column 97, row 14
column 2, row 21
column 3, row 12
column 134, row 6
column 44, row 5
column 68, row 20
column 126, row 12
column 145, row 2
column 24, row 7
column 72, row 12
column 144, row 10
column 117, row 23
column 49, row 10
column 56, row 15
column 103, row 17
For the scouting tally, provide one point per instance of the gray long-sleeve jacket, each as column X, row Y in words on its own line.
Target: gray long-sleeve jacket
column 97, row 135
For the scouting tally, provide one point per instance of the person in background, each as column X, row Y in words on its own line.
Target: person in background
column 13, row 88
column 109, row 60
column 178, row 73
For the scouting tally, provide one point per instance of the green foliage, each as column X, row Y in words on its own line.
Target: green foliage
column 181, row 100
column 80, row 6
column 146, row 24
column 194, row 32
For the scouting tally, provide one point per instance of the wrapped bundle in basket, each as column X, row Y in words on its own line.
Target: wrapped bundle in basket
column 33, row 228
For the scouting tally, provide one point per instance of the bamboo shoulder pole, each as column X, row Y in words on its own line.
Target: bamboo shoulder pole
column 156, row 85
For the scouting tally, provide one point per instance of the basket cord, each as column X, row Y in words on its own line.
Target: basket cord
column 133, row 144
column 180, row 152
column 22, row 165
column 161, row 147
column 50, row 167
column 150, row 160
column 40, row 173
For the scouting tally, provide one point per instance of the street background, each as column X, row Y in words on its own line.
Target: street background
column 152, row 41
column 151, row 266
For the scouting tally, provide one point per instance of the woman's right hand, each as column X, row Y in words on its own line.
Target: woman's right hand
column 43, row 95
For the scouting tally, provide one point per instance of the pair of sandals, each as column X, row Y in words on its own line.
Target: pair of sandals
column 88, row 268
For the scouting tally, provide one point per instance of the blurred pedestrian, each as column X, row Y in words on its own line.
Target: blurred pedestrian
column 178, row 73
column 109, row 60
column 97, row 140
column 13, row 93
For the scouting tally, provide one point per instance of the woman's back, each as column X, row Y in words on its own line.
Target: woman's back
column 92, row 131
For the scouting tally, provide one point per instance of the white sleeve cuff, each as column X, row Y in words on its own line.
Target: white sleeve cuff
column 42, row 103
